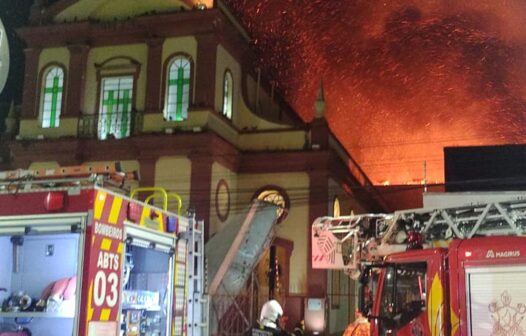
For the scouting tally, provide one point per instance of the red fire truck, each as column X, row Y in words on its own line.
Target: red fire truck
column 442, row 271
column 78, row 257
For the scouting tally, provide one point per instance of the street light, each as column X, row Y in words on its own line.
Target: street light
column 4, row 57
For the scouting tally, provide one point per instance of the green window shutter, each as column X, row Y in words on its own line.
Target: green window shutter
column 177, row 89
column 51, row 105
column 116, row 107
column 228, row 94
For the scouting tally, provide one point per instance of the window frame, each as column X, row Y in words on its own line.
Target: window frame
column 125, row 66
column 166, row 68
column 391, row 292
column 100, row 105
column 228, row 75
column 42, row 86
column 282, row 193
column 222, row 184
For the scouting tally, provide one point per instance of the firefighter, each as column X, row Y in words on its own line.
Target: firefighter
column 360, row 326
column 269, row 323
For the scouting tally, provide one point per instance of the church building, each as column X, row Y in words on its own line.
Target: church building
column 170, row 88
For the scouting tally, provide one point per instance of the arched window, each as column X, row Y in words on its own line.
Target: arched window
column 52, row 93
column 277, row 196
column 336, row 207
column 177, row 97
column 117, row 96
column 228, row 95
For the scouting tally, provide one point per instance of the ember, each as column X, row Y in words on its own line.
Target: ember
column 403, row 79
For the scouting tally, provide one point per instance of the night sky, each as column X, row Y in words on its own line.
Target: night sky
column 403, row 78
column 14, row 14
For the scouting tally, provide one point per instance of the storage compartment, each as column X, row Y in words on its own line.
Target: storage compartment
column 38, row 283
column 146, row 295
column 496, row 300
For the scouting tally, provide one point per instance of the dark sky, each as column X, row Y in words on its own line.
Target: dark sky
column 14, row 14
column 403, row 78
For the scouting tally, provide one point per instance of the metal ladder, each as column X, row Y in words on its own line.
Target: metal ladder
column 359, row 238
column 505, row 218
column 197, row 299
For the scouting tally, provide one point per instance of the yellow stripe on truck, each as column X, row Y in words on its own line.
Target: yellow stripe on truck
column 115, row 210
column 105, row 245
column 99, row 204
column 105, row 314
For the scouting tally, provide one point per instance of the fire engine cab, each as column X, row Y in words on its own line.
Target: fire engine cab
column 79, row 257
column 441, row 270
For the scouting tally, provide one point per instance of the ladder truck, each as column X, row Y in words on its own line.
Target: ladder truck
column 426, row 272
column 79, row 255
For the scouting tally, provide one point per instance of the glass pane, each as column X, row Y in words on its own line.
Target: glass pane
column 52, row 90
column 115, row 107
column 410, row 288
column 227, row 95
column 177, row 90
column 387, row 302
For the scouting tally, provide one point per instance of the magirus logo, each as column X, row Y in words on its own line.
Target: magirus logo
column 502, row 254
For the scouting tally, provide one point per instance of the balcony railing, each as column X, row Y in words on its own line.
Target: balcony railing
column 116, row 125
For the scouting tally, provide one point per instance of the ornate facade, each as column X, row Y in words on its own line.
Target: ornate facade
column 169, row 89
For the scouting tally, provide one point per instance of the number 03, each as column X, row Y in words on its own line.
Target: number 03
column 100, row 286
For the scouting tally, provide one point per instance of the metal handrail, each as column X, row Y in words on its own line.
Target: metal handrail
column 89, row 125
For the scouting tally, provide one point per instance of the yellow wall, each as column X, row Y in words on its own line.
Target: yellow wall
column 347, row 202
column 226, row 61
column 283, row 140
column 339, row 317
column 187, row 44
column 173, row 173
column 267, row 107
column 138, row 52
column 56, row 55
column 31, row 128
column 220, row 172
column 295, row 226
column 43, row 165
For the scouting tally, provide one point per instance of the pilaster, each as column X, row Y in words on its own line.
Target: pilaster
column 206, row 70
column 29, row 100
column 318, row 203
column 154, row 76
column 200, row 189
column 76, row 80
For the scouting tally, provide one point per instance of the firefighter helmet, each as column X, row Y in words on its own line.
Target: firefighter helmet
column 270, row 313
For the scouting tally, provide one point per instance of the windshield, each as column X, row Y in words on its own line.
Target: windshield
column 368, row 289
column 404, row 291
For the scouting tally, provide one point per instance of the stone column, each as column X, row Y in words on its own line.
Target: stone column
column 318, row 204
column 31, row 85
column 200, row 189
column 154, row 76
column 147, row 171
column 76, row 79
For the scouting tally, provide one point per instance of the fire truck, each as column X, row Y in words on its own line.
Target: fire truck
column 79, row 256
column 441, row 270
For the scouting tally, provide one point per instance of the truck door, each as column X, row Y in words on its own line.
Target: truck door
column 402, row 300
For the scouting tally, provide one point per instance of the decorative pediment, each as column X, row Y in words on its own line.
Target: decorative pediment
column 117, row 10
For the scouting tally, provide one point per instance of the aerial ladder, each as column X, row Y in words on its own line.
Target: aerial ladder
column 349, row 242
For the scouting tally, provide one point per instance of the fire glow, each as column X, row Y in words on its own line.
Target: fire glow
column 402, row 79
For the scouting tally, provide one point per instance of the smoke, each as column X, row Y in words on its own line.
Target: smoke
column 403, row 78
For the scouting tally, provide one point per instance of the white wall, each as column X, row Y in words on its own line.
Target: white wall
column 5, row 266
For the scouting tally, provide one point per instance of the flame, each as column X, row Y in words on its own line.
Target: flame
column 403, row 79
